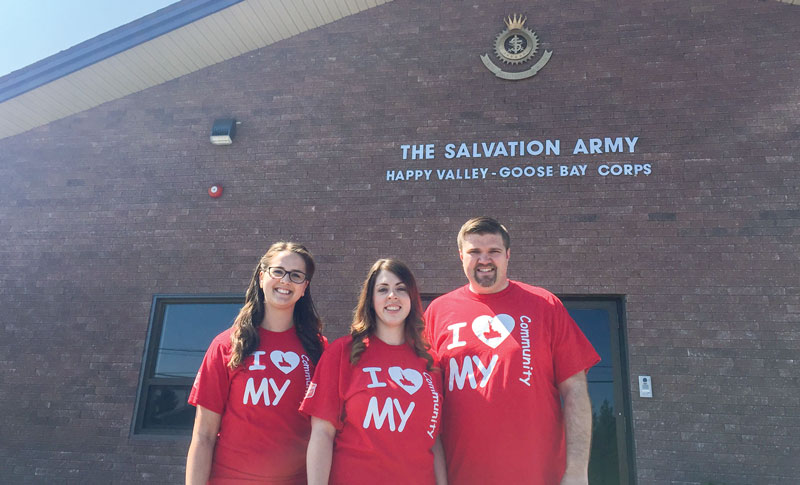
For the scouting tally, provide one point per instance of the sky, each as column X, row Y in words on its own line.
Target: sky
column 31, row 30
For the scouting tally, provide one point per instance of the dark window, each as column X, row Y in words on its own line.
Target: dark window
column 600, row 319
column 427, row 298
column 181, row 328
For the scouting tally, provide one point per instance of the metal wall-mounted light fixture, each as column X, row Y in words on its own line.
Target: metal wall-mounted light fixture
column 223, row 131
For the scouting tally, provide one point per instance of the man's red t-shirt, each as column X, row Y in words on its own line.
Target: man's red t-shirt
column 504, row 355
column 262, row 436
column 386, row 411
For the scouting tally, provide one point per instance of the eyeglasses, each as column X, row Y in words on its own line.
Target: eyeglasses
column 278, row 273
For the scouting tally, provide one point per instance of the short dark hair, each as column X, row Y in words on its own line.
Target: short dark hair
column 483, row 225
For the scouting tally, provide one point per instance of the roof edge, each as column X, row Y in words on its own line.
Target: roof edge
column 107, row 45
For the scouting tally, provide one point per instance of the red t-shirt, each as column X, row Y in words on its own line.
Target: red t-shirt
column 385, row 409
column 262, row 436
column 503, row 356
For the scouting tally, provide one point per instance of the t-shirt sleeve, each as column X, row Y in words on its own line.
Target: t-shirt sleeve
column 437, row 367
column 572, row 351
column 428, row 330
column 212, row 383
column 438, row 376
column 324, row 399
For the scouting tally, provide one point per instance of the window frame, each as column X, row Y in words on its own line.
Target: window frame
column 155, row 328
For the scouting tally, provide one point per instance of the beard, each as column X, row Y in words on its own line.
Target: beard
column 486, row 280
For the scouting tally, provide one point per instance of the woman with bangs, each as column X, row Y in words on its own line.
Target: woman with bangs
column 254, row 375
column 375, row 399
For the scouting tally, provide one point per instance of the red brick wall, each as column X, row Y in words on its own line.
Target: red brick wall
column 101, row 210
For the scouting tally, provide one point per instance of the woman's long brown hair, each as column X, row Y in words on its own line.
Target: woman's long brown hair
column 365, row 321
column 307, row 323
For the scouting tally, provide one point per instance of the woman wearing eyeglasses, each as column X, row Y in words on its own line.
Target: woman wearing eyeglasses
column 375, row 399
column 254, row 376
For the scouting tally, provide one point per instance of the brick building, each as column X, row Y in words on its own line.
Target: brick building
column 656, row 193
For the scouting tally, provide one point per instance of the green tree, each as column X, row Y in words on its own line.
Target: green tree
column 604, row 462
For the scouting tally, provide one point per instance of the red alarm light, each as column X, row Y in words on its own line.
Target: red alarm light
column 215, row 191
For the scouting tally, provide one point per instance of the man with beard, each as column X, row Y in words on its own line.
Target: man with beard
column 516, row 407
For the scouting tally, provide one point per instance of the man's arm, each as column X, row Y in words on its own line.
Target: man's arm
column 578, row 420
column 439, row 464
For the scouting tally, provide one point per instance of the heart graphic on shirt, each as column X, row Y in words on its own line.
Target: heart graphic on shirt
column 285, row 361
column 408, row 379
column 493, row 330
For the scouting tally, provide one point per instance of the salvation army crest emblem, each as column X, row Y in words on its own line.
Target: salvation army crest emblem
column 516, row 45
